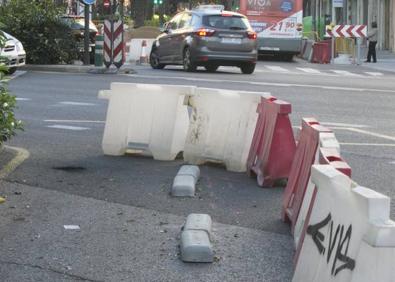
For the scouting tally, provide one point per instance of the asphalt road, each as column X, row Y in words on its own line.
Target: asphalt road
column 65, row 120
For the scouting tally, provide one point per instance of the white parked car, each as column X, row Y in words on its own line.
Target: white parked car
column 13, row 52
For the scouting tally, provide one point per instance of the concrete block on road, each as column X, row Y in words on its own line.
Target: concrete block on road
column 196, row 246
column 185, row 181
column 196, row 221
column 190, row 170
column 183, row 186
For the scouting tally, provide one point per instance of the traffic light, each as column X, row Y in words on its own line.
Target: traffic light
column 160, row 2
column 155, row 2
column 106, row 7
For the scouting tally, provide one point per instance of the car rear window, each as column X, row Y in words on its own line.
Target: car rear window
column 226, row 22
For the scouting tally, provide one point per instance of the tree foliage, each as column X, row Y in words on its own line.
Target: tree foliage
column 36, row 23
column 8, row 123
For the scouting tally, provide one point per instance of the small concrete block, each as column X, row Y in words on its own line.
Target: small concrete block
column 183, row 186
column 196, row 221
column 190, row 170
column 196, row 246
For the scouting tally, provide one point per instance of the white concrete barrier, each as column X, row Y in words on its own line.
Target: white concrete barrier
column 349, row 236
column 147, row 118
column 221, row 127
column 135, row 48
column 185, row 181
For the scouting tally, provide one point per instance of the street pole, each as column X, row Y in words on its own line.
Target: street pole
column 314, row 19
column 86, row 35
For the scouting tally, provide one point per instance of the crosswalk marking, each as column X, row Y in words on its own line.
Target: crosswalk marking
column 346, row 73
column 68, row 127
column 76, row 103
column 374, row 73
column 309, row 70
column 277, row 68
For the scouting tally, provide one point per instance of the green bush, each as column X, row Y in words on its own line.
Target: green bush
column 8, row 123
column 46, row 39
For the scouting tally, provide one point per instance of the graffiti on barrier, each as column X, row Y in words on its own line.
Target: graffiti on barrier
column 336, row 246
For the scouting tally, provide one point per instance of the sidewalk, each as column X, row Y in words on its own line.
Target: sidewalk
column 385, row 61
column 122, row 243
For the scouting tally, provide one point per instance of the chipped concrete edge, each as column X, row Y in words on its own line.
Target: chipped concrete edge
column 21, row 155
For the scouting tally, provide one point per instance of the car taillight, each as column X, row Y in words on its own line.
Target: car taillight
column 251, row 34
column 205, row 32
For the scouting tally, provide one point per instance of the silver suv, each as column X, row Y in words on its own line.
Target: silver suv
column 206, row 36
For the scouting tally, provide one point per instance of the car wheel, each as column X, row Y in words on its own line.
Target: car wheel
column 154, row 61
column 187, row 61
column 211, row 68
column 11, row 70
column 247, row 68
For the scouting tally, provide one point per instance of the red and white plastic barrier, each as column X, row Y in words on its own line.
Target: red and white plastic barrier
column 329, row 156
column 350, row 237
column 273, row 145
column 306, row 155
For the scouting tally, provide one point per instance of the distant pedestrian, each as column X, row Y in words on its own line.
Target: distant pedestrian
column 372, row 37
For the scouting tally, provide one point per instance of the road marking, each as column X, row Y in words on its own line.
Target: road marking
column 310, row 70
column 369, row 144
column 392, row 162
column 277, row 68
column 21, row 156
column 77, row 103
column 374, row 73
column 58, row 126
column 368, row 133
column 74, row 121
column 346, row 73
column 194, row 79
column 22, row 99
column 343, row 124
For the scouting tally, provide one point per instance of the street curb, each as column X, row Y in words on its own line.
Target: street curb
column 21, row 155
column 78, row 69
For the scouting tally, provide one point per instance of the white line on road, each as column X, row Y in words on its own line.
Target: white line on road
column 343, row 124
column 22, row 99
column 58, row 126
column 74, row 121
column 369, row 144
column 277, row 68
column 194, row 79
column 374, row 73
column 346, row 73
column 368, row 133
column 77, row 103
column 310, row 70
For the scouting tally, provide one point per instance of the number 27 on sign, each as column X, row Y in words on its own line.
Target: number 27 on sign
column 282, row 25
